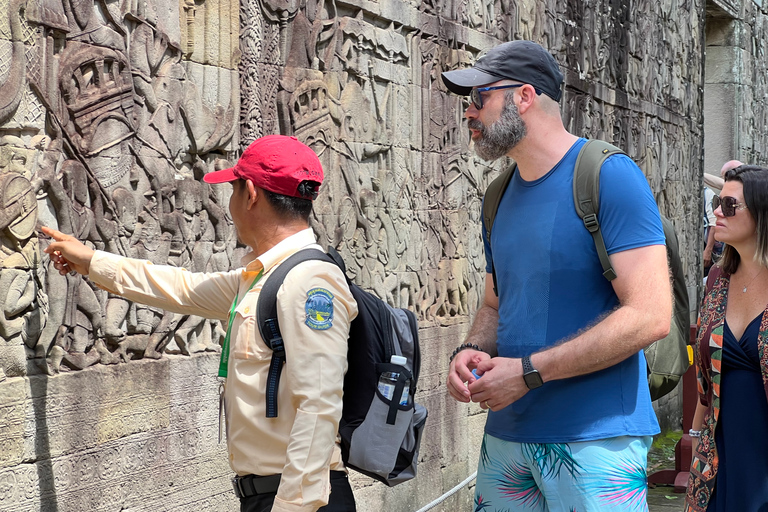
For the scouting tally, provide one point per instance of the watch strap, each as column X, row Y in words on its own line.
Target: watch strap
column 527, row 365
column 531, row 376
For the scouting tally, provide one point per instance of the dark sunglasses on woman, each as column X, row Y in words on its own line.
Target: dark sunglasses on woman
column 728, row 204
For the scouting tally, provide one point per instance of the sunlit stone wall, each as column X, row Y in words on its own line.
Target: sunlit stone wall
column 110, row 112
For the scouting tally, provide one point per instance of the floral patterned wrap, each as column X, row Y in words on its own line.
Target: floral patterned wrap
column 709, row 356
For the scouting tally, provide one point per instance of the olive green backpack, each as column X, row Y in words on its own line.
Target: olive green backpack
column 667, row 358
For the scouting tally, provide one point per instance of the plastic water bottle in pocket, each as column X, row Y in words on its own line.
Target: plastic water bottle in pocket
column 388, row 381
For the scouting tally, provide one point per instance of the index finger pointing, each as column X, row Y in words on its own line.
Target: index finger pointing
column 56, row 235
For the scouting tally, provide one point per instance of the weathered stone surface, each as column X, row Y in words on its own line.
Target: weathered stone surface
column 402, row 203
column 141, row 437
column 735, row 84
column 109, row 125
column 668, row 409
column 720, row 103
column 109, row 112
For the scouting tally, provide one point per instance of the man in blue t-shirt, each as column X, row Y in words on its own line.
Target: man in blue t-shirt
column 559, row 351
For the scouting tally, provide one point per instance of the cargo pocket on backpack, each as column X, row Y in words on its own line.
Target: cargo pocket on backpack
column 408, row 455
column 375, row 444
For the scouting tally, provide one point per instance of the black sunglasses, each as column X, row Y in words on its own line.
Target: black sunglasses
column 728, row 204
column 477, row 98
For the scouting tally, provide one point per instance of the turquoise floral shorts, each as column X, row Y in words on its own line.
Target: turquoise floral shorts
column 604, row 475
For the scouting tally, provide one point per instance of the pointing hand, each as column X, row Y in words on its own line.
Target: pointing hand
column 68, row 253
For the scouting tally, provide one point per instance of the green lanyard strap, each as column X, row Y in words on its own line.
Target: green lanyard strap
column 224, row 362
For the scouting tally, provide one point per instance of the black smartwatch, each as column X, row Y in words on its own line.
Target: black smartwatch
column 531, row 375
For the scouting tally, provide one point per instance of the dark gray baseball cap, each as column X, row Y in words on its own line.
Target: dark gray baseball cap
column 523, row 61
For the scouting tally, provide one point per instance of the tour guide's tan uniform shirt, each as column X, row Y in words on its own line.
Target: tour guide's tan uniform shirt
column 302, row 442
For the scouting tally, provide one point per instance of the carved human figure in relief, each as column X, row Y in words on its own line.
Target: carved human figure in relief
column 22, row 304
column 185, row 226
column 79, row 341
column 125, row 223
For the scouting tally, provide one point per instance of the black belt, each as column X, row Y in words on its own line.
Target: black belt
column 251, row 485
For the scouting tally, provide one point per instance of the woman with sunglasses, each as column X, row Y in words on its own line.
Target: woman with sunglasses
column 729, row 470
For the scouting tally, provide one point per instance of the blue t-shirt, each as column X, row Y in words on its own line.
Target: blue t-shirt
column 551, row 286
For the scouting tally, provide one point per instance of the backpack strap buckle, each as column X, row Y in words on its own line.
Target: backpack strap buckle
column 591, row 222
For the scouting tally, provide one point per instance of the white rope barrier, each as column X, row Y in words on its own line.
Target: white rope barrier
column 433, row 504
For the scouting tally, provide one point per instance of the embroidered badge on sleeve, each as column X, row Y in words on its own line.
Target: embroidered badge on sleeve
column 319, row 309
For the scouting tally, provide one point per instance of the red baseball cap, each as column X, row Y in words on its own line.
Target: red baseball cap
column 276, row 163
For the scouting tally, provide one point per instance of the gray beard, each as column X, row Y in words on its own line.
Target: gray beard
column 501, row 136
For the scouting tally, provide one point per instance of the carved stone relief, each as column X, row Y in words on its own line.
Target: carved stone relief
column 752, row 108
column 404, row 191
column 110, row 112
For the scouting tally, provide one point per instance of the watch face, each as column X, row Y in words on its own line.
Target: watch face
column 533, row 380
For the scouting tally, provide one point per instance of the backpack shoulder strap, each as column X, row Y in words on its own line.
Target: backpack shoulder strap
column 586, row 194
column 491, row 202
column 266, row 319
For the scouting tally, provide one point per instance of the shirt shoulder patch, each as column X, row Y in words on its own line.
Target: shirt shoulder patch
column 319, row 309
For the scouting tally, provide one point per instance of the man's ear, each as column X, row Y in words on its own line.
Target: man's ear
column 527, row 96
column 253, row 193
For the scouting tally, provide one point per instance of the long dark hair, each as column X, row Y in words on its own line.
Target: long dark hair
column 754, row 179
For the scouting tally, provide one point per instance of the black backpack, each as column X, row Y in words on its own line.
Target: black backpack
column 379, row 437
column 667, row 358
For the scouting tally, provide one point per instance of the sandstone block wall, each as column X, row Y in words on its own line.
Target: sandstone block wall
column 360, row 83
column 110, row 112
column 735, row 85
column 140, row 436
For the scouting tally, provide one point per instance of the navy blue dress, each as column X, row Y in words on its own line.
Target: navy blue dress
column 741, row 434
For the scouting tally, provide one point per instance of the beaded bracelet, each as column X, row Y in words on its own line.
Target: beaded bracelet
column 694, row 433
column 462, row 347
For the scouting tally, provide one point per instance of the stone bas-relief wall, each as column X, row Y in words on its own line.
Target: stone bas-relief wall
column 110, row 112
column 359, row 82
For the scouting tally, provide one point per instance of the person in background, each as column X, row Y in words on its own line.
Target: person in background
column 709, row 229
column 712, row 185
column 729, row 471
column 292, row 462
